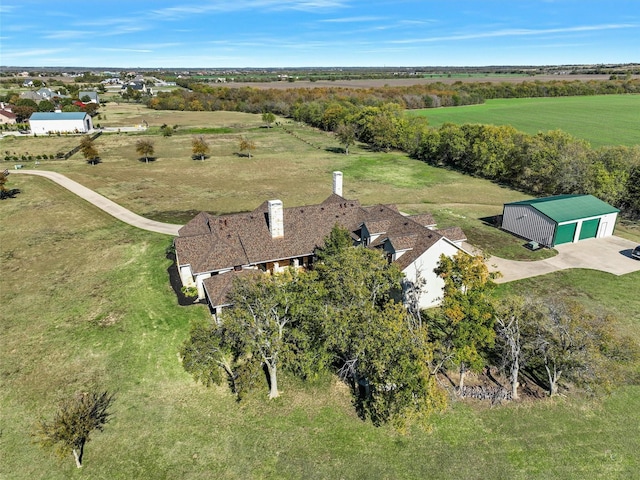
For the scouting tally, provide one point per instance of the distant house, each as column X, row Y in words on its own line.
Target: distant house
column 111, row 81
column 42, row 94
column 48, row 94
column 135, row 86
column 93, row 96
column 31, row 95
column 7, row 117
column 211, row 250
column 560, row 219
column 60, row 122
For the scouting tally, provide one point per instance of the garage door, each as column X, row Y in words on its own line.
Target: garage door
column 565, row 233
column 589, row 228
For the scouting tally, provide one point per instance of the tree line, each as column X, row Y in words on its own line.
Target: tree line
column 547, row 163
column 200, row 96
column 346, row 317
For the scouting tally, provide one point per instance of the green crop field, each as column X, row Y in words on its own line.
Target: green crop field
column 87, row 300
column 601, row 120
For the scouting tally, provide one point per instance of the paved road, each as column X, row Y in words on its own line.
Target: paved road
column 610, row 254
column 105, row 204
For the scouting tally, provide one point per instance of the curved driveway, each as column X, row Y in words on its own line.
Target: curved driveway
column 105, row 204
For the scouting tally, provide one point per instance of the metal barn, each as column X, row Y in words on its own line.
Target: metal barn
column 560, row 219
column 43, row 123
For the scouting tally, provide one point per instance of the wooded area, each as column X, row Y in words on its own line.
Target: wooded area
column 547, row 163
column 344, row 317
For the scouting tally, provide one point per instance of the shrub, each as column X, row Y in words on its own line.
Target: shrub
column 191, row 292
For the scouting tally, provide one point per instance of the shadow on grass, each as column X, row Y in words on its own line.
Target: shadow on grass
column 178, row 217
column 176, row 283
column 199, row 158
column 492, row 221
column 4, row 194
column 334, row 150
column 147, row 159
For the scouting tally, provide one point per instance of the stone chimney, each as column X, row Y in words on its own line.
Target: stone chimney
column 337, row 183
column 276, row 218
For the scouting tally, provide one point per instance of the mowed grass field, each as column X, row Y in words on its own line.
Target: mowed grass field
column 296, row 169
column 601, row 120
column 86, row 300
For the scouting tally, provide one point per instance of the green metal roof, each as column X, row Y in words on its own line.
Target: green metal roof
column 564, row 208
column 57, row 116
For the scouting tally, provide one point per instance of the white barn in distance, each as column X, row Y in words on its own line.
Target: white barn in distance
column 43, row 123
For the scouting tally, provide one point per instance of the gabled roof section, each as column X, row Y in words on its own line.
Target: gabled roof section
column 219, row 287
column 455, row 234
column 403, row 242
column 213, row 243
column 377, row 226
column 564, row 208
column 408, row 234
column 8, row 114
column 424, row 219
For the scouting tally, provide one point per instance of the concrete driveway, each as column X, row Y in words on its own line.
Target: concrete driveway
column 105, row 204
column 610, row 254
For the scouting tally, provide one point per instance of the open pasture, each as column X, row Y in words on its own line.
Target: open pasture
column 294, row 168
column 601, row 120
column 86, row 301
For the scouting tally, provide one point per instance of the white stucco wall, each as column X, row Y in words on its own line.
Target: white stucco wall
column 424, row 265
column 199, row 279
column 186, row 276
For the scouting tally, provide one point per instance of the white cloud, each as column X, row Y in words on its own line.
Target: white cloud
column 352, row 19
column 518, row 33
column 65, row 34
column 124, row 50
column 181, row 11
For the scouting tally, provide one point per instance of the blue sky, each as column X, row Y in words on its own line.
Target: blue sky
column 308, row 33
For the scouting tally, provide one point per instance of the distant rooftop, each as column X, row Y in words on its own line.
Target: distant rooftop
column 57, row 116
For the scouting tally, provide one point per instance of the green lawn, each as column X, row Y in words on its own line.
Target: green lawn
column 601, row 120
column 86, row 300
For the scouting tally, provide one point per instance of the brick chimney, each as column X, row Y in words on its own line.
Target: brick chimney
column 276, row 218
column 337, row 183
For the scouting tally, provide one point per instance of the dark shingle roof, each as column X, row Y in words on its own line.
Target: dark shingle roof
column 218, row 287
column 212, row 243
column 424, row 219
column 455, row 234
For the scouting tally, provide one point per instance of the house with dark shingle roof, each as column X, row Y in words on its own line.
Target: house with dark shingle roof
column 212, row 250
